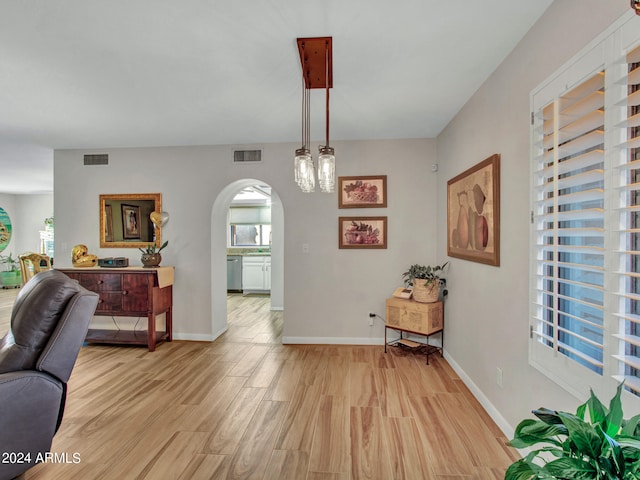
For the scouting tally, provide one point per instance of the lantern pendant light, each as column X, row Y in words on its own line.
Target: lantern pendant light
column 303, row 166
column 317, row 72
column 327, row 159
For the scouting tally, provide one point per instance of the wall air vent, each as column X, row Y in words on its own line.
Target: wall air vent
column 247, row 156
column 96, row 159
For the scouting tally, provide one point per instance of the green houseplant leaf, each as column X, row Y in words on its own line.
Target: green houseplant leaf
column 631, row 427
column 523, row 469
column 582, row 435
column 530, row 432
column 603, row 446
column 614, row 417
column 573, row 468
column 151, row 248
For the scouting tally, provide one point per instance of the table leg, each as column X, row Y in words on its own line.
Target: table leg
column 169, row 324
column 385, row 339
column 151, row 332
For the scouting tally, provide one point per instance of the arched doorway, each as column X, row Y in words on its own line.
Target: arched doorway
column 219, row 253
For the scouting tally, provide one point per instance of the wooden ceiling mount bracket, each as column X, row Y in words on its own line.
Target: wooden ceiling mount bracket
column 313, row 58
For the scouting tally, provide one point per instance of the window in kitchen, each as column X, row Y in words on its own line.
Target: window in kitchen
column 250, row 235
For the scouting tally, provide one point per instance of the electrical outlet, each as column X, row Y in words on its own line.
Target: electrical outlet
column 371, row 317
column 499, row 376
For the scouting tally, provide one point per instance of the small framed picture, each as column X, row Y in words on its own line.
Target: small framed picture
column 130, row 222
column 362, row 192
column 362, row 232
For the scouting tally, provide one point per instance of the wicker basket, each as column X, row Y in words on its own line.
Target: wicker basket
column 424, row 294
column 364, row 197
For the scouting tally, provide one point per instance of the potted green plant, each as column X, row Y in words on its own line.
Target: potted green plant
column 606, row 446
column 151, row 256
column 11, row 276
column 426, row 291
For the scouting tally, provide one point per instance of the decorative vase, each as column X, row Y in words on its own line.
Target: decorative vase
column 428, row 294
column 151, row 259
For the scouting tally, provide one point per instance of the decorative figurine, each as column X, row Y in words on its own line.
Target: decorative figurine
column 81, row 258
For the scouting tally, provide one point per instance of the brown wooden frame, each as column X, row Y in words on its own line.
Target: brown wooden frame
column 379, row 181
column 128, row 211
column 473, row 213
column 345, row 237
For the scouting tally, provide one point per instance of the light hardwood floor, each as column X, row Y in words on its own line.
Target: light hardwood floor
column 247, row 407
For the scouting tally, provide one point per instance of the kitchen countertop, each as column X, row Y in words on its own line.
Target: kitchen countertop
column 247, row 253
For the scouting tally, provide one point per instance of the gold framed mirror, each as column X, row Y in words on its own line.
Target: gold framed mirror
column 125, row 220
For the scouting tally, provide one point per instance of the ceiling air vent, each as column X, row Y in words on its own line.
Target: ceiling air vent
column 96, row 159
column 247, row 156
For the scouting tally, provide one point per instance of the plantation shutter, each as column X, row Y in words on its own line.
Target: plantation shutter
column 627, row 331
column 569, row 220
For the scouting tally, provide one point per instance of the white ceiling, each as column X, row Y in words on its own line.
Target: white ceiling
column 119, row 73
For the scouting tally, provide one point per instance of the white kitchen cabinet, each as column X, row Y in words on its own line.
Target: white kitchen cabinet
column 256, row 273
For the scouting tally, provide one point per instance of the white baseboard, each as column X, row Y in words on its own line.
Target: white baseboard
column 194, row 337
column 493, row 412
column 333, row 341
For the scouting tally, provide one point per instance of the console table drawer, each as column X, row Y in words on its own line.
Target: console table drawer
column 109, row 302
column 100, row 282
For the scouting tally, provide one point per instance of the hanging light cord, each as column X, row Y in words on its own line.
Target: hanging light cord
column 308, row 119
column 327, row 88
column 304, row 116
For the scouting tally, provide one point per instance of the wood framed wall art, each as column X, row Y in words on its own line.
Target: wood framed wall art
column 473, row 213
column 131, row 222
column 362, row 192
column 362, row 232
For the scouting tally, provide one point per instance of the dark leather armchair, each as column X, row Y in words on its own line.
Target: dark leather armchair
column 49, row 322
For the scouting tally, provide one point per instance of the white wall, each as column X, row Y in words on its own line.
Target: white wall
column 27, row 214
column 31, row 212
column 327, row 292
column 487, row 312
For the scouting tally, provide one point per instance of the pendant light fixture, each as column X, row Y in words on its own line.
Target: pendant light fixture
column 304, row 174
column 327, row 159
column 317, row 72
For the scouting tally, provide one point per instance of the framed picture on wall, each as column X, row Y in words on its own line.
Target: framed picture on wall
column 362, row 192
column 473, row 213
column 5, row 229
column 130, row 222
column 362, row 232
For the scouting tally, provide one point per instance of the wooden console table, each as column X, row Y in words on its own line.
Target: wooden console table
column 409, row 316
column 129, row 292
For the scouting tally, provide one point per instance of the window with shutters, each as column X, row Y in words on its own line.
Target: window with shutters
column 585, row 197
column 627, row 278
column 570, row 212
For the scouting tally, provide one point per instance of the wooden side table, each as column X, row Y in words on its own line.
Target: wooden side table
column 409, row 316
column 129, row 292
